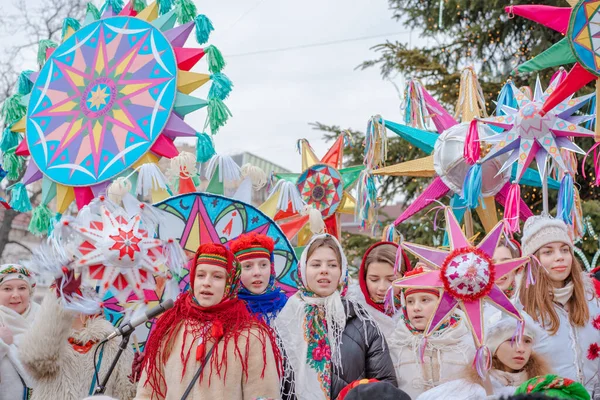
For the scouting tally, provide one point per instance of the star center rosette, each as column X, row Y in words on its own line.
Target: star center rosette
column 467, row 276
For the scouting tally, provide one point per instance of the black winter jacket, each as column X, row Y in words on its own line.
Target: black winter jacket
column 362, row 359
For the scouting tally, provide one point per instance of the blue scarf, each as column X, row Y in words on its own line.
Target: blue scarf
column 266, row 305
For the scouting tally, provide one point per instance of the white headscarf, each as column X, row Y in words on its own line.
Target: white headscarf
column 291, row 325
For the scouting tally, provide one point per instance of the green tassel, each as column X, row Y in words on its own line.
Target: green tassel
column 139, row 5
column 203, row 28
column 196, row 179
column 19, row 200
column 92, row 10
column 185, row 10
column 116, row 5
column 70, row 23
column 204, row 147
column 221, row 86
column 40, row 220
column 218, row 114
column 44, row 45
column 53, row 222
column 9, row 140
column 12, row 164
column 164, row 6
column 12, row 110
column 215, row 59
column 24, row 85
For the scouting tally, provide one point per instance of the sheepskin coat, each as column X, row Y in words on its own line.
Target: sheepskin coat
column 60, row 371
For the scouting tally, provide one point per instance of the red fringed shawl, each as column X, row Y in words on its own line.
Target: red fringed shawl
column 227, row 320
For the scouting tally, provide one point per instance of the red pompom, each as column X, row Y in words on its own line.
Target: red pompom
column 416, row 271
column 249, row 240
column 596, row 322
column 593, row 351
column 212, row 248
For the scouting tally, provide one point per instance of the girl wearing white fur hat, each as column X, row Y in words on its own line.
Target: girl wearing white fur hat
column 562, row 301
column 512, row 364
column 17, row 312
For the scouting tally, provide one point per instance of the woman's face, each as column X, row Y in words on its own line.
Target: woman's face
column 323, row 271
column 15, row 294
column 557, row 260
column 380, row 276
column 501, row 254
column 514, row 356
column 420, row 308
column 209, row 284
column 255, row 275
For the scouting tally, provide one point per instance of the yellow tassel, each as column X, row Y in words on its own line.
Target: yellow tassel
column 471, row 103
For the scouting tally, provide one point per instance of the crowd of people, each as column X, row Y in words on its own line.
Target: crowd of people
column 236, row 335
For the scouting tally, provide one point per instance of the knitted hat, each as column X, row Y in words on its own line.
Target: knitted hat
column 409, row 291
column 371, row 389
column 541, row 230
column 8, row 272
column 556, row 387
column 213, row 254
column 252, row 245
column 504, row 330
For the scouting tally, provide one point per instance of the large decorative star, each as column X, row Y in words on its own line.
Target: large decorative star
column 530, row 134
column 466, row 275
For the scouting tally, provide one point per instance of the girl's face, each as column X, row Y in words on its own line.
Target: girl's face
column 255, row 274
column 209, row 284
column 420, row 308
column 514, row 356
column 501, row 254
column 15, row 294
column 556, row 258
column 380, row 276
column 323, row 271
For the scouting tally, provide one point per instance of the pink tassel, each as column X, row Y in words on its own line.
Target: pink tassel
column 422, row 348
column 471, row 150
column 389, row 305
column 512, row 208
column 398, row 263
column 596, row 163
column 533, row 261
column 517, row 337
column 483, row 361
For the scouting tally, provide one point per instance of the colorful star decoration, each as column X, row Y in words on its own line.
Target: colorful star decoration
column 466, row 276
column 118, row 253
column 530, row 134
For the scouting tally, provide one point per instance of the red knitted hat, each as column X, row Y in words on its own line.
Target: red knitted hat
column 252, row 245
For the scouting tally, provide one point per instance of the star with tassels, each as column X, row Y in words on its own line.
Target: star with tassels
column 323, row 184
column 112, row 97
column 580, row 25
column 466, row 275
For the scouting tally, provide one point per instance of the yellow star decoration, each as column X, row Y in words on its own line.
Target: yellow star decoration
column 98, row 98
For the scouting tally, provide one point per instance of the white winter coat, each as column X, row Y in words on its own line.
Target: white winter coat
column 464, row 389
column 445, row 357
column 12, row 373
column 60, row 371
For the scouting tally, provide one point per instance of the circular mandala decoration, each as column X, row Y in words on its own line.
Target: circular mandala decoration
column 584, row 34
column 101, row 100
column 321, row 185
column 467, row 274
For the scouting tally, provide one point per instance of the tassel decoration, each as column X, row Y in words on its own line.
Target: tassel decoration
column 116, row 5
column 216, row 63
column 12, row 109
column 204, row 148
column 19, row 200
column 506, row 98
column 9, row 140
column 24, row 84
column 472, row 186
column 289, row 196
column 139, row 5
column 230, row 173
column 70, row 23
column 44, row 45
column 92, row 10
column 414, row 105
column 471, row 102
column 221, row 86
column 40, row 220
column 483, row 361
column 12, row 164
column 175, row 256
column 119, row 188
column 472, row 146
column 512, row 209
column 185, row 10
column 171, row 289
column 257, row 176
column 203, row 28
column 566, row 196
column 164, row 6
column 366, row 199
column 150, row 177
column 218, row 114
column 375, row 143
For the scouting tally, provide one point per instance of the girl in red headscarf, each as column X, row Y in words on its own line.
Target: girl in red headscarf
column 210, row 325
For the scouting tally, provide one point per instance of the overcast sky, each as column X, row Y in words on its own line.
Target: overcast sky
column 277, row 94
